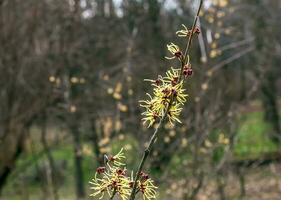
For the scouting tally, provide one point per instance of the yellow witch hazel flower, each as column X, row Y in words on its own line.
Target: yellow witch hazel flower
column 168, row 92
column 185, row 32
column 116, row 160
column 174, row 113
column 175, row 51
column 146, row 186
column 111, row 179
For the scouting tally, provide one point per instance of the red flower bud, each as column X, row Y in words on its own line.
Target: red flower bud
column 157, row 81
column 100, row 170
column 131, row 184
column 120, row 172
column 155, row 116
column 197, row 30
column 178, row 54
column 174, row 92
column 175, row 81
column 111, row 158
column 187, row 70
column 144, row 175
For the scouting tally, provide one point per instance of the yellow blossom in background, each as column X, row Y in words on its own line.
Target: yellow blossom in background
column 213, row 53
column 208, row 143
column 118, row 87
column 214, row 45
column 74, row 80
column 109, row 90
column 172, row 133
column 130, row 92
column 87, row 150
column 58, row 81
column 184, row 142
column 129, row 78
column 72, row 109
column 117, row 96
column 105, row 77
column 222, row 139
column 167, row 139
column 122, row 107
column 217, row 35
column 220, row 14
column 52, row 79
column 223, row 3
column 82, row 80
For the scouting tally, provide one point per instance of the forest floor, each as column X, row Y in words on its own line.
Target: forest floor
column 261, row 182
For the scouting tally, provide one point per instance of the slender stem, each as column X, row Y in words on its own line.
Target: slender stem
column 113, row 194
column 188, row 45
column 154, row 136
column 144, row 157
column 192, row 30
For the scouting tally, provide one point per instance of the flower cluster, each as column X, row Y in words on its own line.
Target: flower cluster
column 113, row 180
column 146, row 186
column 168, row 93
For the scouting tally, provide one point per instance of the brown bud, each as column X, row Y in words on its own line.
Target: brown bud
column 155, row 116
column 144, row 175
column 197, row 30
column 187, row 70
column 111, row 158
column 120, row 172
column 174, row 92
column 131, row 184
column 175, row 81
column 100, row 170
column 178, row 54
column 157, row 81
column 166, row 91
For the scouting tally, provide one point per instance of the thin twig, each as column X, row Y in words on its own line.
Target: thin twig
column 154, row 136
column 113, row 194
column 232, row 58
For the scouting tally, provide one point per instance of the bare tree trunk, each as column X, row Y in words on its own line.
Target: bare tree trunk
column 6, row 170
column 50, row 158
column 269, row 99
column 241, row 183
column 95, row 138
column 220, row 186
column 78, row 158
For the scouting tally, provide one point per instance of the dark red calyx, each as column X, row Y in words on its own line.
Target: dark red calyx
column 100, row 170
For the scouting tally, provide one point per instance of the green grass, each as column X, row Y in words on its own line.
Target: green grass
column 253, row 137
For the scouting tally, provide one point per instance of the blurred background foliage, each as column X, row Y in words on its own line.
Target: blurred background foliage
column 72, row 74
